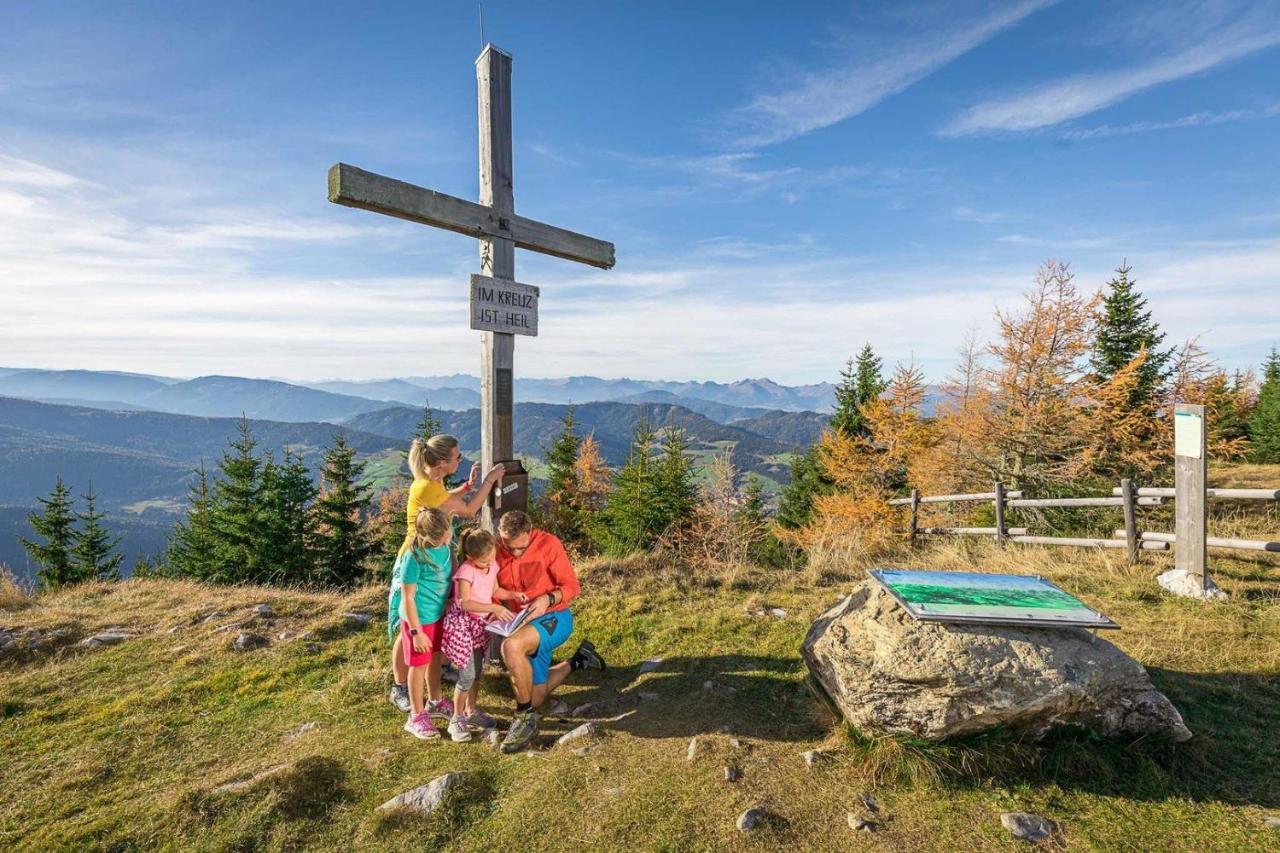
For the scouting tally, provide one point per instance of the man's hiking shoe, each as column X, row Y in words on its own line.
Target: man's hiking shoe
column 586, row 657
column 480, row 720
column 400, row 698
column 420, row 726
column 441, row 710
column 524, row 728
column 458, row 731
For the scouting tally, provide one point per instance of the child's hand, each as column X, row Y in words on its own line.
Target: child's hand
column 419, row 642
column 502, row 614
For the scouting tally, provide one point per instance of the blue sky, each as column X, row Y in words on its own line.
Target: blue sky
column 782, row 182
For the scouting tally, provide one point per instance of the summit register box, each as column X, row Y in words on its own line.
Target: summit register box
column 514, row 491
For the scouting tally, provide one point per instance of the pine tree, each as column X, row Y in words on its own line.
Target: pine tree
column 1264, row 426
column 795, row 505
column 677, row 489
column 427, row 426
column 94, row 552
column 344, row 545
column 288, row 533
column 236, row 515
column 860, row 383
column 560, row 500
column 631, row 518
column 54, row 525
column 1124, row 330
column 192, row 543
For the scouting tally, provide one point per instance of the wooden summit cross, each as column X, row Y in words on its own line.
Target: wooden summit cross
column 500, row 308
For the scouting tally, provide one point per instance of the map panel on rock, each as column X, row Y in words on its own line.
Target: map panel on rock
column 987, row 598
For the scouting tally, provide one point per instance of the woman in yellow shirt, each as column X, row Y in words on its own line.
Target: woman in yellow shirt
column 431, row 461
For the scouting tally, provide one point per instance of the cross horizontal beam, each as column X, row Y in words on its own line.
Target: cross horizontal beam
column 355, row 187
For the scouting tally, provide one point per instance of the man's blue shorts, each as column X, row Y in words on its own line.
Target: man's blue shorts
column 554, row 628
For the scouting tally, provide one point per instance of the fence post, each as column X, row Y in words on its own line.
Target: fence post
column 915, row 509
column 1190, row 499
column 1001, row 536
column 1130, row 495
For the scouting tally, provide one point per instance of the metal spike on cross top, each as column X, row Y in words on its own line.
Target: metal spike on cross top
column 501, row 308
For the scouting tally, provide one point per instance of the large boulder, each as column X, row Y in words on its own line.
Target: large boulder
column 889, row 673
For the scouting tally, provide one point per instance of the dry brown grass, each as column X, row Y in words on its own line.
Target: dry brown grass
column 13, row 595
column 1243, row 475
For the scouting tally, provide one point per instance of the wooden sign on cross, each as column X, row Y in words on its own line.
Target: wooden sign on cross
column 500, row 231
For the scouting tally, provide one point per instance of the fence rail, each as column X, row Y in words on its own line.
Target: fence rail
column 1125, row 497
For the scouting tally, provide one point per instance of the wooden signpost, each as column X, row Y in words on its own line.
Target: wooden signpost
column 1190, row 469
column 500, row 308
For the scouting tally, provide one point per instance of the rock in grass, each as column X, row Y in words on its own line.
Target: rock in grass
column 492, row 737
column 247, row 641
column 891, row 674
column 558, row 708
column 1271, row 821
column 861, row 823
column 732, row 774
column 752, row 818
column 692, row 752
column 426, row 798
column 813, row 757
column 868, row 802
column 586, row 730
column 650, row 665
column 358, row 620
column 1028, row 827
column 1188, row 585
column 263, row 611
column 106, row 638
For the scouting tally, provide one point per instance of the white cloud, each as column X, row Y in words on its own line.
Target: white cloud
column 823, row 98
column 1080, row 94
column 1193, row 120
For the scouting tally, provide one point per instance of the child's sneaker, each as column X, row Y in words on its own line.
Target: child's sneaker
column 400, row 698
column 442, row 710
column 458, row 731
column 420, row 726
column 480, row 720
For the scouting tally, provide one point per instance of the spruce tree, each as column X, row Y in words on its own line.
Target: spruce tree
column 94, row 552
column 57, row 566
column 795, row 504
column 235, row 513
column 1264, row 426
column 192, row 543
column 344, row 545
column 631, row 517
column 676, row 488
column 288, row 533
column 560, row 500
column 861, row 382
column 427, row 426
column 1125, row 329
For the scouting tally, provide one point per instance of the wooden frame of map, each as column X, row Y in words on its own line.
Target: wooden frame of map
column 990, row 599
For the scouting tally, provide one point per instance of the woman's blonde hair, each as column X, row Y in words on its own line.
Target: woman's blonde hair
column 424, row 454
column 430, row 528
column 477, row 542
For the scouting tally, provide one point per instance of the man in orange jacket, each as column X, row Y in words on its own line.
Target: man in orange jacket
column 533, row 562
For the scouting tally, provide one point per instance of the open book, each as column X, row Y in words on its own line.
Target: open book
column 506, row 629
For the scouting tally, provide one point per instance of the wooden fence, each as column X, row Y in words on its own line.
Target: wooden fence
column 1126, row 498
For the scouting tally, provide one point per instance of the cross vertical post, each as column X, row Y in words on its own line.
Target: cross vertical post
column 497, row 256
column 1190, row 468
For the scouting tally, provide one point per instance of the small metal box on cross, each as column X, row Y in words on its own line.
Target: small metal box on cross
column 500, row 231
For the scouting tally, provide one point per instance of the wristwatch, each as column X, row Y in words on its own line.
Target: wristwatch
column 413, row 632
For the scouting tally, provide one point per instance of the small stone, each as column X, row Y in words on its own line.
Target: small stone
column 777, row 612
column 213, row 617
column 284, row 635
column 247, row 642
column 263, row 611
column 586, row 730
column 812, row 757
column 426, row 798
column 312, row 648
column 558, row 708
column 708, row 685
column 692, row 752
column 736, row 743
column 492, row 737
column 650, row 665
column 582, row 751
column 1271, row 821
column 1028, row 827
column 305, row 728
column 858, row 822
column 1189, row 585
column 751, row 818
column 711, row 686
column 359, row 620
column 868, row 802
column 732, row 774
column 106, row 638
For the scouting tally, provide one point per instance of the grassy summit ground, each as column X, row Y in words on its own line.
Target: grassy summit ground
column 122, row 747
